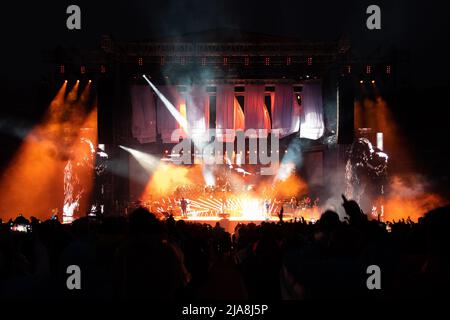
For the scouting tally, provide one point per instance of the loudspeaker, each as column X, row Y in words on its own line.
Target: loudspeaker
column 346, row 110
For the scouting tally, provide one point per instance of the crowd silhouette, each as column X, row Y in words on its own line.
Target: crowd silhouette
column 141, row 257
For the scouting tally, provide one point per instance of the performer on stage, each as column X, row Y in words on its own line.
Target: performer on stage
column 184, row 205
column 267, row 211
column 224, row 206
column 281, row 213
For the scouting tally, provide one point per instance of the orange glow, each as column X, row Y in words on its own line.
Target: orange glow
column 72, row 96
column 289, row 187
column 398, row 207
column 249, row 203
column 375, row 114
column 409, row 199
column 33, row 183
column 83, row 157
column 167, row 178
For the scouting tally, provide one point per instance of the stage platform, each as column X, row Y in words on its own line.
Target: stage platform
column 230, row 223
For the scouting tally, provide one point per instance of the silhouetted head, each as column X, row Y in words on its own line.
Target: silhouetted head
column 437, row 226
column 141, row 221
column 21, row 220
column 80, row 227
column 329, row 220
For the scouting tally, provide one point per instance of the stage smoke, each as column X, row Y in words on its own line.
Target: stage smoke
column 291, row 160
column 34, row 182
column 410, row 197
column 148, row 162
column 172, row 109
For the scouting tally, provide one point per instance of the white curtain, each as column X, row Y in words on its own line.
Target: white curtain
column 143, row 114
column 296, row 115
column 283, row 110
column 197, row 105
column 311, row 119
column 166, row 121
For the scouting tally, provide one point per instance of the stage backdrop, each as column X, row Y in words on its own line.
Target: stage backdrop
column 311, row 118
column 144, row 114
column 150, row 115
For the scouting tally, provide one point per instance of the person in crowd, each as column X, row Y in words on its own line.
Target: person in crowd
column 143, row 257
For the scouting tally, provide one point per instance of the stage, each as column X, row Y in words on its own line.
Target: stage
column 230, row 223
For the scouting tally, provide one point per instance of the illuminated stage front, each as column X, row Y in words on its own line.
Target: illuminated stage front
column 229, row 224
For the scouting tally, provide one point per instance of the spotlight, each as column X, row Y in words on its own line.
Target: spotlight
column 90, row 81
column 361, row 81
column 65, row 81
column 172, row 109
column 373, row 81
column 148, row 162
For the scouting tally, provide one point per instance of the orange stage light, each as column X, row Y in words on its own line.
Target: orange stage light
column 33, row 183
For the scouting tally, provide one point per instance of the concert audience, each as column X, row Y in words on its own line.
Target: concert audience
column 141, row 257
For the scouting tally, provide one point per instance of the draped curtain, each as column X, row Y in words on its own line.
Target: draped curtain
column 225, row 112
column 197, row 101
column 283, row 116
column 239, row 118
column 296, row 114
column 166, row 121
column 287, row 114
column 266, row 118
column 311, row 120
column 143, row 114
column 254, row 107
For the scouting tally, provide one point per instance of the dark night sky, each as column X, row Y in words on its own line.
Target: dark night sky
column 28, row 30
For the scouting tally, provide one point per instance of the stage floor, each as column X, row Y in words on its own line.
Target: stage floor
column 229, row 224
